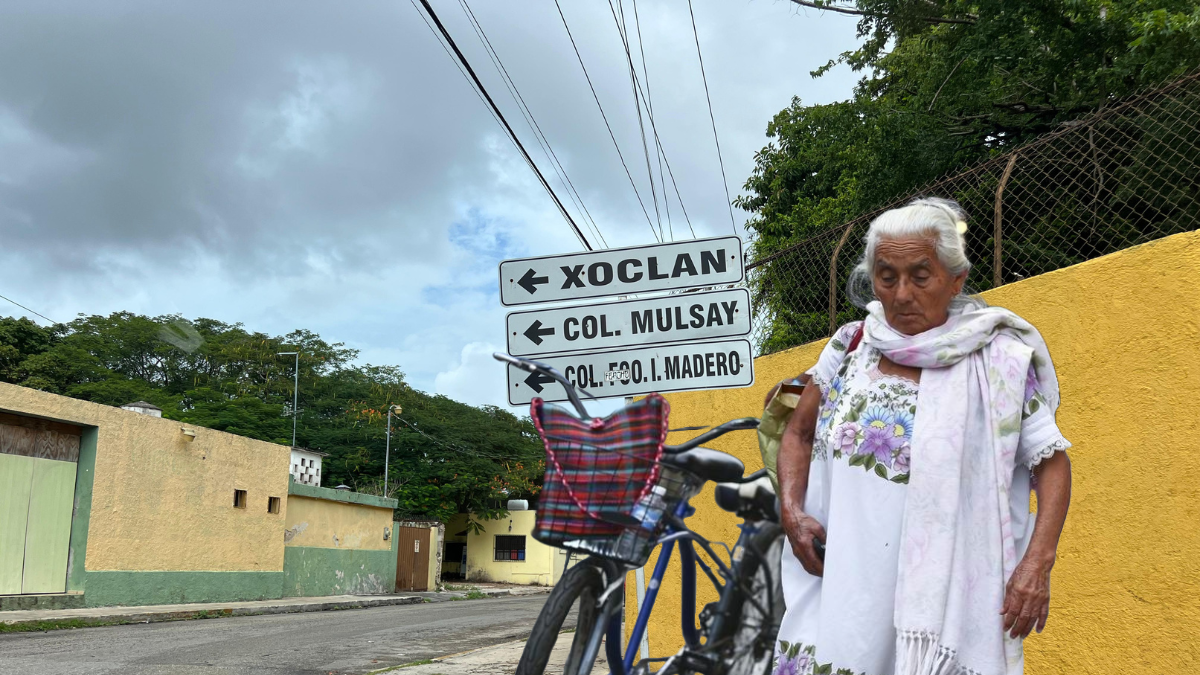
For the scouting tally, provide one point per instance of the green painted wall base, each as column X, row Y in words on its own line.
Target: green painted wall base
column 311, row 571
column 106, row 588
column 43, row 601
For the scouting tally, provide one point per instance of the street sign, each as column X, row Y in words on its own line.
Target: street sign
column 630, row 372
column 683, row 316
column 621, row 271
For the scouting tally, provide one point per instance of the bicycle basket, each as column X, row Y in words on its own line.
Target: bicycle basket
column 597, row 471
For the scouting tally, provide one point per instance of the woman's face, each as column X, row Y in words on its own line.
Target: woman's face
column 913, row 286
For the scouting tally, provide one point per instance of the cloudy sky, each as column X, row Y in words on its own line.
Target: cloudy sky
column 326, row 166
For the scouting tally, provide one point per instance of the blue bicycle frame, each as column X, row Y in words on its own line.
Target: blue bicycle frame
column 619, row 665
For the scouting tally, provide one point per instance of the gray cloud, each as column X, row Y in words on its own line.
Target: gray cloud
column 326, row 166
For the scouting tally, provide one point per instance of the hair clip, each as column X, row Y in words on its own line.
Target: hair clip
column 961, row 226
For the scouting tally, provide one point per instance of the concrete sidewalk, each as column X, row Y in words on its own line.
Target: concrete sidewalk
column 49, row 619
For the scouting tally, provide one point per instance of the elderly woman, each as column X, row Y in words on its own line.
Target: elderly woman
column 905, row 474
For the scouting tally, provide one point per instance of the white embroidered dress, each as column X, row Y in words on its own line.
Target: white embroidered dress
column 843, row 623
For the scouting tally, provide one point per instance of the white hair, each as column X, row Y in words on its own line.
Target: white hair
column 931, row 218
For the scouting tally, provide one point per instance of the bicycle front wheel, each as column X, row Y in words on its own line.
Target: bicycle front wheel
column 747, row 643
column 578, row 590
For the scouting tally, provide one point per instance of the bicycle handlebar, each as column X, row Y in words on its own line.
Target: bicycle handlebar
column 715, row 432
column 549, row 371
column 530, row 366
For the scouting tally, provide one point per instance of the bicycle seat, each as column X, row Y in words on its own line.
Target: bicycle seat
column 755, row 498
column 708, row 464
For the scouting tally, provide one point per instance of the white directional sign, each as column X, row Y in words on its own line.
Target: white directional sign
column 621, row 271
column 631, row 372
column 684, row 316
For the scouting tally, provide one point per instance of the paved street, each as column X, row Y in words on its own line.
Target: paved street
column 349, row 641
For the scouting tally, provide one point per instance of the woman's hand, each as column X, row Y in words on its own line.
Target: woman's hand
column 1027, row 596
column 801, row 528
column 795, row 458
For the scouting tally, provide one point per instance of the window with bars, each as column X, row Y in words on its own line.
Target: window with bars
column 510, row 547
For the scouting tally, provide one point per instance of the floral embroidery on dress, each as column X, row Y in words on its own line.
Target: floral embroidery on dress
column 872, row 428
column 799, row 659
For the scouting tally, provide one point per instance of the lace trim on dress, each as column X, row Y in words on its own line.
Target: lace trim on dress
column 1046, row 451
column 822, row 383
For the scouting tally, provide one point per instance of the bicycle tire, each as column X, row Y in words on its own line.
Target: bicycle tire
column 747, row 642
column 583, row 583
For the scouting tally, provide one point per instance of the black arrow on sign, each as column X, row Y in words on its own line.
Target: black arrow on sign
column 536, row 380
column 535, row 332
column 530, row 282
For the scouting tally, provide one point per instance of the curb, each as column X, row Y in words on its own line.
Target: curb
column 74, row 621
column 501, row 592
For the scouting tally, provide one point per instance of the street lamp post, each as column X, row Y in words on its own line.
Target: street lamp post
column 387, row 452
column 295, row 392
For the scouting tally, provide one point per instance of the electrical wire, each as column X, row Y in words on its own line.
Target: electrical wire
column 507, row 127
column 650, row 113
column 547, row 149
column 459, row 448
column 453, row 60
column 605, row 117
column 716, row 141
column 666, row 160
column 637, row 105
column 28, row 310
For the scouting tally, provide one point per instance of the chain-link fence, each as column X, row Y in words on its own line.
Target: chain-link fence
column 1126, row 175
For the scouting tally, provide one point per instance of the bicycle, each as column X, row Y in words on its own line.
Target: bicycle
column 737, row 633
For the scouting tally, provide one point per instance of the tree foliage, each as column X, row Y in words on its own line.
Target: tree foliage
column 946, row 83
column 446, row 457
column 949, row 94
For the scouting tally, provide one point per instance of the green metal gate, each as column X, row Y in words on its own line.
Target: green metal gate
column 38, row 460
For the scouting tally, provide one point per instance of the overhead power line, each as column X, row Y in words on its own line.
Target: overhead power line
column 27, row 309
column 507, row 127
column 605, row 117
column 707, row 97
column 637, row 105
column 662, row 151
column 658, row 156
column 458, row 448
column 547, row 149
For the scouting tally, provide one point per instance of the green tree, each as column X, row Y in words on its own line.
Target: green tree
column 447, row 457
column 946, row 83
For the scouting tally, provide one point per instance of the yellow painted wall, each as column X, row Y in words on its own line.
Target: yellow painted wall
column 536, row 569
column 435, row 560
column 1124, row 332
column 162, row 503
column 322, row 523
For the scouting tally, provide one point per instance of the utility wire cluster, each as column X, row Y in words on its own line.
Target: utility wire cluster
column 643, row 109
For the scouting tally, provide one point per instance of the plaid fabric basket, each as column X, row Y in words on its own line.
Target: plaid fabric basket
column 596, row 471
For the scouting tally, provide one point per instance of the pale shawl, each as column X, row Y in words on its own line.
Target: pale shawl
column 957, row 547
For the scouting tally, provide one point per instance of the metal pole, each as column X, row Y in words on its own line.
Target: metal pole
column 997, row 254
column 387, row 453
column 295, row 398
column 295, row 391
column 640, row 577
